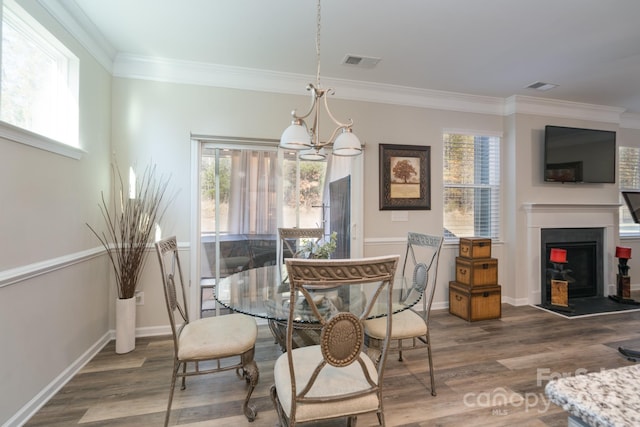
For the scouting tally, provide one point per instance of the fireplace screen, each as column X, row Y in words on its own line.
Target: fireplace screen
column 585, row 257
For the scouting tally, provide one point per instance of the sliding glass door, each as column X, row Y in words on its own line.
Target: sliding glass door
column 238, row 212
column 246, row 191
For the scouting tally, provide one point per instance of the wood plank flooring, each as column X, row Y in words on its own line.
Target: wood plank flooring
column 489, row 373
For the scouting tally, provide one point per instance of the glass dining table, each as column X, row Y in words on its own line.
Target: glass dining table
column 264, row 293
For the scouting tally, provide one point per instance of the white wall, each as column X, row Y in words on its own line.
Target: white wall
column 156, row 118
column 54, row 289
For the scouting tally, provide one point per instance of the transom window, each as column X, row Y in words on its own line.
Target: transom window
column 471, row 186
column 39, row 83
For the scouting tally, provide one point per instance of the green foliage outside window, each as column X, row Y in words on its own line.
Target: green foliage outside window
column 208, row 179
column 311, row 183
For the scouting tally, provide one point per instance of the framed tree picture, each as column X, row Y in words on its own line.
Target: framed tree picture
column 405, row 177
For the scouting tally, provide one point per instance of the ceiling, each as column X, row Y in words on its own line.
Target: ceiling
column 589, row 48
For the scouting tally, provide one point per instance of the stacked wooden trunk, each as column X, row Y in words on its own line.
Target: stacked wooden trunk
column 475, row 294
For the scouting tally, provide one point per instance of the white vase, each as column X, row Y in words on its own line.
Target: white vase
column 125, row 325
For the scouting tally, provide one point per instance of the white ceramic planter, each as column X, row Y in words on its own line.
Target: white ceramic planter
column 125, row 325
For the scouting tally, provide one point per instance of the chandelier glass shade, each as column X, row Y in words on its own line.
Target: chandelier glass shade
column 299, row 136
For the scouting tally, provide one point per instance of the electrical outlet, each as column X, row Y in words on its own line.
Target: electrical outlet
column 139, row 298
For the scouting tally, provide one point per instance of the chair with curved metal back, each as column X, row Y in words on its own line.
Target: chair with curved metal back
column 228, row 340
column 293, row 240
column 336, row 378
column 411, row 327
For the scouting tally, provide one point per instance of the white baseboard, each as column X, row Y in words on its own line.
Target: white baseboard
column 34, row 405
column 39, row 400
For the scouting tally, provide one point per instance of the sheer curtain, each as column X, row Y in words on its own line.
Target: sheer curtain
column 252, row 202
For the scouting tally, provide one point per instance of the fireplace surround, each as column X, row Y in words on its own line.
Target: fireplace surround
column 540, row 216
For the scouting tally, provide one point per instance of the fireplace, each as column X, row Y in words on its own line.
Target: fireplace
column 585, row 255
column 541, row 216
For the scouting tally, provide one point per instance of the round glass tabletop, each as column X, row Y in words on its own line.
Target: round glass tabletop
column 264, row 292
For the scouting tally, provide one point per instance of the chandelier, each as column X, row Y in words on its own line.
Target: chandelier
column 298, row 136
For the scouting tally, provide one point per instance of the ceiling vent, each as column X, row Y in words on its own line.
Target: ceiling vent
column 360, row 61
column 542, row 86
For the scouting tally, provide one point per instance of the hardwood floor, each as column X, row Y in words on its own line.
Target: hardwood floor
column 489, row 373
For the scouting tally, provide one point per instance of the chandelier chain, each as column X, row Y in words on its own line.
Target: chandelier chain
column 300, row 136
column 318, row 45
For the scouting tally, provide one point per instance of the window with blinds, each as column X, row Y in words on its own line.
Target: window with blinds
column 471, row 186
column 629, row 173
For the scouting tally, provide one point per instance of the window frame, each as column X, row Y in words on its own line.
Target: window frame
column 494, row 185
column 70, row 70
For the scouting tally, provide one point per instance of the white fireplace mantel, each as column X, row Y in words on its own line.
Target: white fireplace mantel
column 535, row 205
column 538, row 211
column 568, row 215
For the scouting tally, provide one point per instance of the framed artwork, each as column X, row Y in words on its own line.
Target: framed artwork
column 405, row 178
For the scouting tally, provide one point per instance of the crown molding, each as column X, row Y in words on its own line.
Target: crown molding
column 423, row 98
column 518, row 104
column 189, row 72
column 73, row 19
column 198, row 73
column 630, row 121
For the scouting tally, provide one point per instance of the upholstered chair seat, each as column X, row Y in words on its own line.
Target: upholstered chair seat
column 217, row 337
column 331, row 381
column 406, row 324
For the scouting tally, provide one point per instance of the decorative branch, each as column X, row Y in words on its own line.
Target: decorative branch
column 129, row 224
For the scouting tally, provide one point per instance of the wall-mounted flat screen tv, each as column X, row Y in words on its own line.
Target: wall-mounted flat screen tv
column 579, row 155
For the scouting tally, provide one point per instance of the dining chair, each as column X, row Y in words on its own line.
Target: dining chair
column 225, row 342
column 294, row 239
column 411, row 327
column 335, row 378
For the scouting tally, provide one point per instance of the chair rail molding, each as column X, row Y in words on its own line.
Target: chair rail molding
column 25, row 272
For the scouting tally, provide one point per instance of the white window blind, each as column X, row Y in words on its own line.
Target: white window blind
column 471, row 186
column 629, row 173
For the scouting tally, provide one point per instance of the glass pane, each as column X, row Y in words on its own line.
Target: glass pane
column 472, row 186
column 28, row 82
column 208, row 191
column 459, row 159
column 238, row 210
column 303, row 206
column 629, row 165
column 238, row 216
column 459, row 211
column 39, row 88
